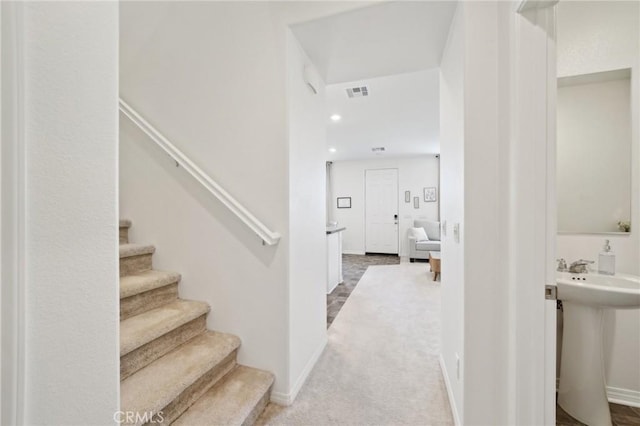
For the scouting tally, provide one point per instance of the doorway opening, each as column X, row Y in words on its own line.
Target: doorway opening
column 382, row 134
column 597, row 184
column 383, row 178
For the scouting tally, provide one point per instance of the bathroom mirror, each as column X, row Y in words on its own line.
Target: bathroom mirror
column 594, row 153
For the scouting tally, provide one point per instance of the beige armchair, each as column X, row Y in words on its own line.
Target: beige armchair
column 420, row 249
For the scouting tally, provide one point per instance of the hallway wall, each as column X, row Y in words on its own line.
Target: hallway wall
column 307, row 217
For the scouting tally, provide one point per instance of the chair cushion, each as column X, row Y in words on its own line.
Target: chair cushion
column 428, row 245
column 431, row 228
column 419, row 234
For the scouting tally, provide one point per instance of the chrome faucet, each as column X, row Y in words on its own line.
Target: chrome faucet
column 562, row 265
column 580, row 266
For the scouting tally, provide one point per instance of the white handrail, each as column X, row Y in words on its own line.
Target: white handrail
column 268, row 237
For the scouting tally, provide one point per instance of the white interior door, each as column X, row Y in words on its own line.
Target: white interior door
column 381, row 211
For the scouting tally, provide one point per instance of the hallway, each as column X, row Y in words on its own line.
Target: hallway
column 380, row 365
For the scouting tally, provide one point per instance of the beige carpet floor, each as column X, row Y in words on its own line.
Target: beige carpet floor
column 380, row 366
column 353, row 268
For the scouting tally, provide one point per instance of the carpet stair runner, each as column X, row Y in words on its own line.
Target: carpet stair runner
column 172, row 369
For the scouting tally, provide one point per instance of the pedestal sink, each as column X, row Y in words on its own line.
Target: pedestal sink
column 582, row 392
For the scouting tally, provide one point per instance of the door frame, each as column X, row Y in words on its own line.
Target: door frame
column 397, row 207
column 533, row 368
column 12, row 221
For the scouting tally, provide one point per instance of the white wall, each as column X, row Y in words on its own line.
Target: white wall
column 71, row 239
column 414, row 174
column 307, row 218
column 594, row 37
column 212, row 77
column 452, row 116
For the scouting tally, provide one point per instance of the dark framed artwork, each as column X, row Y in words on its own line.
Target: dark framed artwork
column 407, row 196
column 416, row 202
column 344, row 202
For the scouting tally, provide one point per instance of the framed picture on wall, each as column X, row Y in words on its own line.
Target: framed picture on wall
column 430, row 195
column 416, row 202
column 344, row 202
column 407, row 196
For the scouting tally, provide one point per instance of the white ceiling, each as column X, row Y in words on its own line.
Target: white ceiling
column 401, row 114
column 384, row 39
column 395, row 49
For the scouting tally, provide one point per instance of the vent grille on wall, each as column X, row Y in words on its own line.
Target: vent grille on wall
column 378, row 149
column 357, row 92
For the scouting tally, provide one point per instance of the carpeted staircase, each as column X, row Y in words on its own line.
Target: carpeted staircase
column 171, row 366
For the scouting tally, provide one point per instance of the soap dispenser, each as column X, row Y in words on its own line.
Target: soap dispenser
column 607, row 260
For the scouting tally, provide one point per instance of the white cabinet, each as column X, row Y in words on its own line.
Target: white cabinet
column 334, row 258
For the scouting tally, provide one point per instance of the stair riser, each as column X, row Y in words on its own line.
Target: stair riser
column 135, row 264
column 258, row 409
column 197, row 389
column 124, row 235
column 144, row 355
column 148, row 300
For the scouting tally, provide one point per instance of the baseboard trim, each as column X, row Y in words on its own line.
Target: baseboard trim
column 353, row 252
column 447, row 384
column 280, row 398
column 287, row 399
column 623, row 396
column 618, row 395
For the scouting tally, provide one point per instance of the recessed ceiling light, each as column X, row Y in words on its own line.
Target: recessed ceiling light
column 335, row 117
column 332, row 149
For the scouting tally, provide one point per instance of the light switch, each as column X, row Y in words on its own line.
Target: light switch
column 456, row 232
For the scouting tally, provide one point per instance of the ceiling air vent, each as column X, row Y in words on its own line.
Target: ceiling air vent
column 357, row 92
column 378, row 149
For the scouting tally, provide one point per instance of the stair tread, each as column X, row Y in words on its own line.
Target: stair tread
column 125, row 223
column 155, row 386
column 231, row 401
column 131, row 285
column 147, row 326
column 128, row 250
